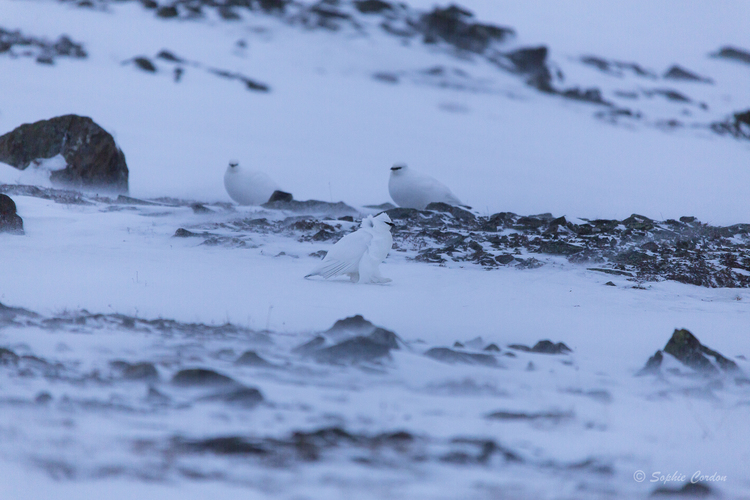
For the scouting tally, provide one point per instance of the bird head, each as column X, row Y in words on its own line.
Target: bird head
column 398, row 168
column 382, row 220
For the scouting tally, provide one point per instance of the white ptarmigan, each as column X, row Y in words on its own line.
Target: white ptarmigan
column 410, row 189
column 248, row 187
column 359, row 254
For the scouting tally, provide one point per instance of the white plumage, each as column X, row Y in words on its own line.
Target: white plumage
column 359, row 254
column 412, row 189
column 248, row 187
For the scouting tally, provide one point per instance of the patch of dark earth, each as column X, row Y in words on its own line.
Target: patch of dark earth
column 637, row 248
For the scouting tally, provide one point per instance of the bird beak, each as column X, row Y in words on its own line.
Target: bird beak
column 391, row 224
column 396, row 168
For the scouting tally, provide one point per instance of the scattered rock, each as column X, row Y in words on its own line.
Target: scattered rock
column 678, row 73
column 453, row 25
column 245, row 397
column 93, row 159
column 543, row 347
column 372, row 6
column 251, row 358
column 690, row 489
column 8, row 357
column 553, row 416
column 687, row 349
column 145, row 64
column 10, row 221
column 609, row 283
column 733, row 53
column 492, row 348
column 738, row 125
column 136, row 371
column 532, row 62
column 354, row 350
column 201, row 377
column 313, row 207
column 447, row 355
column 43, row 50
column 280, row 196
column 617, row 68
column 652, row 365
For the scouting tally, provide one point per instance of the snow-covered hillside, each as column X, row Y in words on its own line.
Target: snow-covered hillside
column 108, row 306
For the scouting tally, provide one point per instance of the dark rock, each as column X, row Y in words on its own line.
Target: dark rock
column 169, row 56
column 140, row 371
column 184, row 233
column 690, row 489
column 609, row 283
column 273, row 5
column 616, row 68
column 678, row 73
column 492, row 348
column 8, row 357
column 149, row 4
column 543, row 347
column 354, row 350
column 167, row 12
column 310, row 347
column 450, row 356
column 671, row 95
column 738, row 125
column 687, row 349
column 145, row 64
column 43, row 398
column 652, row 365
column 10, row 221
column 386, row 77
column 458, row 345
column 453, row 25
column 230, row 445
column 199, row 208
column 280, row 196
column 505, row 258
column 592, row 95
column 353, row 325
column 554, row 416
column 457, row 212
column 532, row 62
column 734, row 54
column 372, row 6
column 251, row 358
column 201, row 377
column 93, row 158
column 313, row 207
column 557, row 247
column 245, row 397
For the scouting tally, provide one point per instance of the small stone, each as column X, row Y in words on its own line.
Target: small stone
column 609, row 283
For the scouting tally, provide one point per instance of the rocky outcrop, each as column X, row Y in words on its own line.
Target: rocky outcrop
column 15, row 44
column 93, row 159
column 738, row 125
column 10, row 221
column 688, row 350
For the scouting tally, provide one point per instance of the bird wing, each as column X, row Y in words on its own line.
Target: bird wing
column 344, row 256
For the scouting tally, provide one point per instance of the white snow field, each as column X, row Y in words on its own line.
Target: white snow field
column 101, row 275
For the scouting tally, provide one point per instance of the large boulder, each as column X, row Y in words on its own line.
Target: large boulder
column 10, row 222
column 93, row 159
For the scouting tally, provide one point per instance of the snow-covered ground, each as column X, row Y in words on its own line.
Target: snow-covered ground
column 329, row 130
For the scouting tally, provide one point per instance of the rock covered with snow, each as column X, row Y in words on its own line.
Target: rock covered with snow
column 93, row 158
